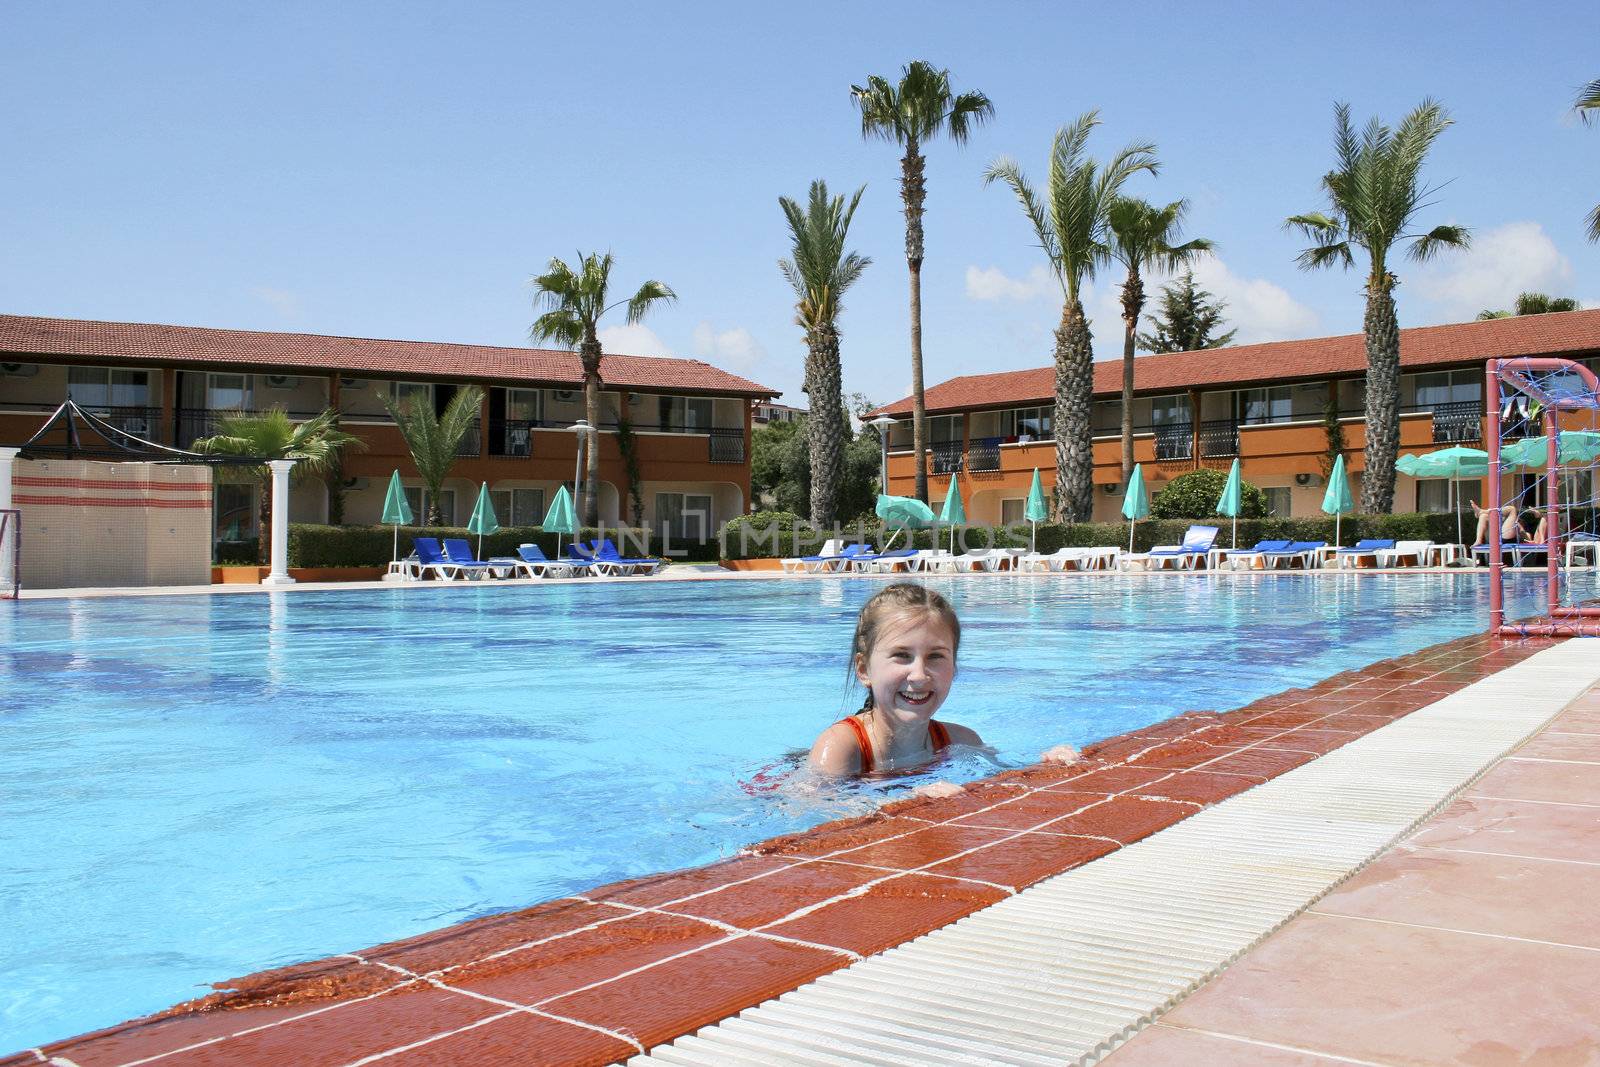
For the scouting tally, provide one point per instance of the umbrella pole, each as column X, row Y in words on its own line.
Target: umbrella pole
column 1455, row 505
column 396, row 552
column 1033, row 537
column 1131, row 524
column 1236, row 531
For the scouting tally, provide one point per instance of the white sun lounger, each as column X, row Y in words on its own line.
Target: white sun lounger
column 1414, row 551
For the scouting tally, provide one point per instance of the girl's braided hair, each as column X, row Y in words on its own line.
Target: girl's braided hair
column 899, row 598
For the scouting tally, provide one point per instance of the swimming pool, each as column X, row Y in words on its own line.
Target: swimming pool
column 194, row 788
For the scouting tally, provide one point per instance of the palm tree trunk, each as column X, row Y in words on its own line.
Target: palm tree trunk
column 1383, row 397
column 264, row 519
column 589, row 496
column 825, row 425
column 913, row 191
column 1132, row 305
column 1073, row 426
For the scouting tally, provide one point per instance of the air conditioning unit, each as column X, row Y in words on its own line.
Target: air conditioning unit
column 349, row 384
column 281, row 381
column 566, row 396
column 357, row 484
column 1307, row 479
column 19, row 370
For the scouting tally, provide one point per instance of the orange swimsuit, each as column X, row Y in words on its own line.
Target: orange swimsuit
column 936, row 730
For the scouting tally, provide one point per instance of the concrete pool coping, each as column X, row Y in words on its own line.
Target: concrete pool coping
column 605, row 975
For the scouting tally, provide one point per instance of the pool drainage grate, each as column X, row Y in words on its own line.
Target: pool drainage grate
column 1067, row 970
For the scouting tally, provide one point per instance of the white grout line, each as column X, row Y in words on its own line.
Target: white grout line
column 1452, row 930
column 729, row 928
column 1109, row 946
column 1547, row 759
column 1301, row 1049
column 1502, row 855
column 1471, row 795
column 430, row 1039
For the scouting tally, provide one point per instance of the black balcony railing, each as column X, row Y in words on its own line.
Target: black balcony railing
column 471, row 444
column 195, row 423
column 727, row 445
column 983, row 454
column 1457, row 423
column 945, row 458
column 1175, row 441
column 511, row 438
column 1219, row 439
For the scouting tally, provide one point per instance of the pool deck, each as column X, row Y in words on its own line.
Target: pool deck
column 624, row 968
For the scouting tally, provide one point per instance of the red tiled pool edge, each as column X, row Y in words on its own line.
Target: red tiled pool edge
column 598, row 977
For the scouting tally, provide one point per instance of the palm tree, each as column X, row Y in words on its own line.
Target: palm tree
column 917, row 110
column 1588, row 105
column 819, row 273
column 575, row 300
column 1533, row 304
column 1144, row 236
column 1375, row 192
column 1072, row 224
column 433, row 439
column 314, row 445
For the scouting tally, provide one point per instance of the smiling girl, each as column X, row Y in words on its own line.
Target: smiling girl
column 904, row 654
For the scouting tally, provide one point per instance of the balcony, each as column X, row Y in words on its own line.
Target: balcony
column 471, row 444
column 727, row 445
column 1457, row 423
column 1219, row 439
column 195, row 423
column 1175, row 441
column 945, row 457
column 983, row 454
column 511, row 438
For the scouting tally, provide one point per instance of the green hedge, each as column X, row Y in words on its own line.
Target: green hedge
column 230, row 553
column 372, row 546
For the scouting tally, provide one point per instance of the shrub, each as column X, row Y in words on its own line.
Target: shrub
column 1194, row 496
column 232, row 553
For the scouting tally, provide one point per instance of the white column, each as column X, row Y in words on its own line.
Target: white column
column 280, row 523
column 6, row 456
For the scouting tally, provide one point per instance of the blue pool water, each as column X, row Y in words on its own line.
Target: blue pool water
column 194, row 788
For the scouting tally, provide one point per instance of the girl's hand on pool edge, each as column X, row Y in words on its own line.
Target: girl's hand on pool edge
column 937, row 790
column 1060, row 754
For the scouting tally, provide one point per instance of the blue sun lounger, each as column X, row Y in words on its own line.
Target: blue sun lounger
column 1252, row 555
column 1304, row 551
column 431, row 558
column 532, row 561
column 606, row 552
column 459, row 552
column 884, row 561
column 1352, row 556
column 1197, row 541
column 829, row 564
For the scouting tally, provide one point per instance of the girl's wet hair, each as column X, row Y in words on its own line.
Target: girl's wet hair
column 901, row 598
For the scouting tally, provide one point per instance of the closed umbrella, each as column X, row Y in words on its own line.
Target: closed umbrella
column 1450, row 463
column 1337, row 500
column 396, row 510
column 1232, row 499
column 1035, row 511
column 561, row 518
column 483, row 519
column 954, row 513
column 906, row 512
column 1135, row 502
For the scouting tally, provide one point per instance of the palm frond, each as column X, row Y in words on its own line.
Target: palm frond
column 919, row 107
column 1587, row 102
column 880, row 110
column 1336, row 253
column 1006, row 170
column 650, row 293
column 1591, row 224
column 1315, row 225
column 561, row 326
column 1435, row 240
column 821, row 269
column 967, row 112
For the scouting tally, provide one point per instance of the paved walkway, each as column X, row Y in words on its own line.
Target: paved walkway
column 1474, row 941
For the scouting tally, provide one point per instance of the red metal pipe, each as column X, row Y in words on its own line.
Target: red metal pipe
column 1551, row 629
column 1491, row 392
column 1587, row 612
column 1554, row 363
column 1552, row 496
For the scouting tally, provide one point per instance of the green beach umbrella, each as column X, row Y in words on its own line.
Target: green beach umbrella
column 396, row 511
column 954, row 513
column 905, row 512
column 1035, row 511
column 561, row 518
column 1337, row 500
column 1452, row 463
column 483, row 519
column 1135, row 501
column 1232, row 499
column 1572, row 446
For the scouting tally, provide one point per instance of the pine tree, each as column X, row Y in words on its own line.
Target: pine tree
column 1188, row 320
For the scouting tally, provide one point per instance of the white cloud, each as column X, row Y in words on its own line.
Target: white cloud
column 282, row 301
column 633, row 340
column 736, row 349
column 1259, row 309
column 1502, row 262
column 994, row 284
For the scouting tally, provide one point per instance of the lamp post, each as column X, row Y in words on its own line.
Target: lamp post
column 579, row 428
column 883, row 422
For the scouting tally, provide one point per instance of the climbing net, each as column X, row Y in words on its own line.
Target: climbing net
column 1544, row 463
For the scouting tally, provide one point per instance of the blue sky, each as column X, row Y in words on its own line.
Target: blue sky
column 401, row 170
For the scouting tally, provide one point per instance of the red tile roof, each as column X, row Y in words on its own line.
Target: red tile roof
column 30, row 339
column 1570, row 334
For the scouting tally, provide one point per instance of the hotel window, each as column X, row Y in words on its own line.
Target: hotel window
column 234, row 507
column 417, row 497
column 1278, row 500
column 1026, row 424
column 524, row 405
column 1108, row 418
column 1169, row 410
column 943, row 429
column 411, row 392
column 1257, row 406
column 518, row 507
column 1011, row 511
column 683, row 516
column 1448, row 387
column 228, row 392
column 685, row 414
column 100, row 387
